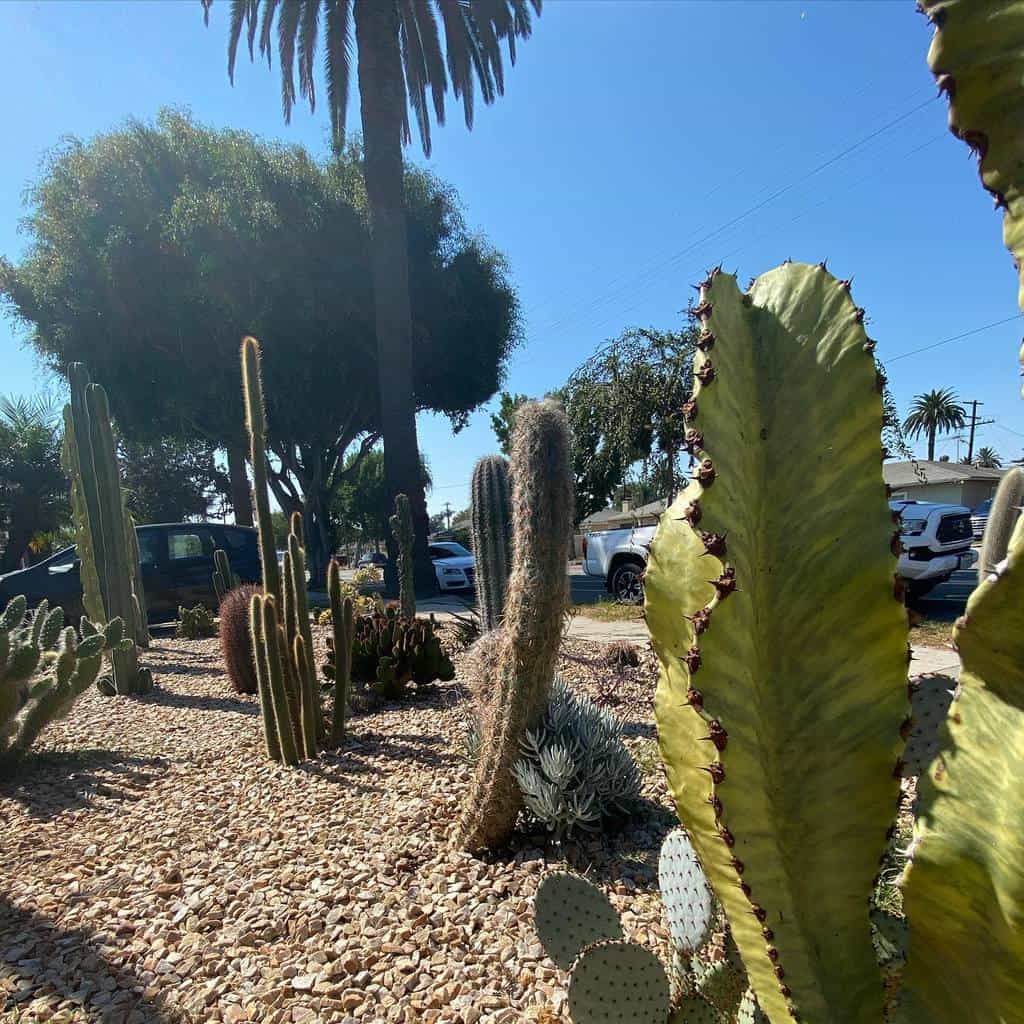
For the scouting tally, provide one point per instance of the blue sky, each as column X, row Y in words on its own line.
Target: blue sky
column 638, row 143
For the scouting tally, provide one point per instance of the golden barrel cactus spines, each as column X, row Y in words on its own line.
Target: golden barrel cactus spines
column 964, row 888
column 782, row 646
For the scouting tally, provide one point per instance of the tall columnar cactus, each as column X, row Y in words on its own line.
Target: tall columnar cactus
column 256, row 422
column 490, row 504
column 964, row 890
column 105, row 537
column 44, row 668
column 542, row 503
column 279, row 617
column 224, row 577
column 781, row 637
column 401, row 529
column 977, row 57
column 343, row 627
column 1002, row 518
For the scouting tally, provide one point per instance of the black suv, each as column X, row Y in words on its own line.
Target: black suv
column 177, row 569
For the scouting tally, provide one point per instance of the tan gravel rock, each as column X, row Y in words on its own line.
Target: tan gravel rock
column 157, row 868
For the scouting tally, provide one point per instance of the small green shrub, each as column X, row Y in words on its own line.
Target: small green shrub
column 195, row 623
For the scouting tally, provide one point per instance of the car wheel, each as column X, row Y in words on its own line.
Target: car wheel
column 627, row 583
column 916, row 589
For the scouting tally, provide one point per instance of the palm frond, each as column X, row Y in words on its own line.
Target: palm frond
column 287, row 35
column 266, row 26
column 338, row 64
column 243, row 13
column 465, row 62
column 309, row 27
column 433, row 54
column 414, row 67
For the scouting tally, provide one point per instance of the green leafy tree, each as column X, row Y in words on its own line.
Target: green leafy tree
column 932, row 412
column 625, row 406
column 154, row 248
column 400, row 64
column 988, row 458
column 33, row 488
column 504, row 419
column 170, row 480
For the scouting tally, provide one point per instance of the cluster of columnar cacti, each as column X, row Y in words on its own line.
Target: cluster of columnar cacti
column 105, row 534
column 978, row 62
column 279, row 622
column 389, row 651
column 44, row 667
column 782, row 701
column 527, row 648
column 611, row 980
column 224, row 577
column 490, row 506
column 342, row 632
column 402, row 531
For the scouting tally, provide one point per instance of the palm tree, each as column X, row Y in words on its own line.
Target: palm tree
column 934, row 411
column 400, row 59
column 988, row 458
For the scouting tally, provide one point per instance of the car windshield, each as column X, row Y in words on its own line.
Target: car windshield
column 983, row 508
column 449, row 551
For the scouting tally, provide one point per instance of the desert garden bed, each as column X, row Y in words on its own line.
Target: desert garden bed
column 156, row 867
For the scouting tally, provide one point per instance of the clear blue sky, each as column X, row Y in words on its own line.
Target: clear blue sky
column 637, row 144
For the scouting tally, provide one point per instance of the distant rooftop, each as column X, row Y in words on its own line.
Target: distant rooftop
column 921, row 471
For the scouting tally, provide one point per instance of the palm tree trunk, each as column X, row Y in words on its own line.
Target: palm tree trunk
column 931, row 444
column 382, row 103
column 241, row 498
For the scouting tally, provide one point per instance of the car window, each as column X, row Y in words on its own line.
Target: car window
column 237, row 539
column 448, row 551
column 188, row 543
column 149, row 546
column 65, row 557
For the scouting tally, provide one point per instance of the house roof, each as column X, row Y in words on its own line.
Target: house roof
column 607, row 518
column 920, row 472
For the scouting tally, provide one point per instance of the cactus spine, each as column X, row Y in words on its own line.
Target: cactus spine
column 279, row 617
column 489, row 502
column 542, row 503
column 224, row 577
column 343, row 624
column 104, row 532
column 401, row 529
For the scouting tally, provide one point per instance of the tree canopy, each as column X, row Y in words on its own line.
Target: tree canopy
column 154, row 248
column 170, row 480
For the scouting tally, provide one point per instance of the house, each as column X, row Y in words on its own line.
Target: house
column 951, row 483
column 626, row 515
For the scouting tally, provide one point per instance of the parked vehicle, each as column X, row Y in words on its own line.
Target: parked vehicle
column 177, row 569
column 372, row 558
column 936, row 542
column 979, row 518
column 454, row 565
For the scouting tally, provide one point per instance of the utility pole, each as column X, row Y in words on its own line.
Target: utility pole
column 448, row 514
column 975, row 422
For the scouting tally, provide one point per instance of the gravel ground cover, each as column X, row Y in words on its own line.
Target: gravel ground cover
column 157, row 868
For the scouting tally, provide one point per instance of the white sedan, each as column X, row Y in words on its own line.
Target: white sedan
column 454, row 565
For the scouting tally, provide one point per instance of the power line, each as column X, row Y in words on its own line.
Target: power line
column 664, row 264
column 956, row 337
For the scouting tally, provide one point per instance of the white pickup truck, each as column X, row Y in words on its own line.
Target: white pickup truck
column 936, row 541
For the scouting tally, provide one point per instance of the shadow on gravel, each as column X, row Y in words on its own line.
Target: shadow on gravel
column 344, row 768
column 432, row 749
column 170, row 699
column 48, row 783
column 199, row 667
column 34, row 952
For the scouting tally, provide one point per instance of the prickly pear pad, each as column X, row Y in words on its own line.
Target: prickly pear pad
column 770, row 598
column 571, row 913
column 964, row 892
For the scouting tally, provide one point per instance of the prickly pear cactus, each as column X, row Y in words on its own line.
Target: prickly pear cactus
column 684, row 893
column 618, row 983
column 781, row 641
column 570, row 914
column 977, row 57
column 964, row 890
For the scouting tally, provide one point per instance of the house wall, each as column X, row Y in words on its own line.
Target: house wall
column 971, row 494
